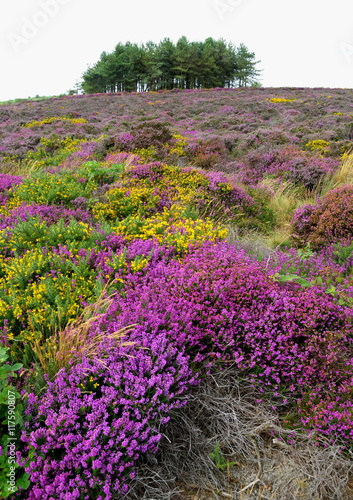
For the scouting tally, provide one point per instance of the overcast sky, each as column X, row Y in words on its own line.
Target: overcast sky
column 46, row 45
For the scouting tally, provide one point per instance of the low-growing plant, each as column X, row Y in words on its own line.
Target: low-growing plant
column 330, row 221
column 109, row 416
column 51, row 189
column 12, row 476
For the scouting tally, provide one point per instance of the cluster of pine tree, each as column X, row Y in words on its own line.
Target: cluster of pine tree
column 185, row 65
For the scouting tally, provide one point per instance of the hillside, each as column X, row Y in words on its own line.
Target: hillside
column 176, row 295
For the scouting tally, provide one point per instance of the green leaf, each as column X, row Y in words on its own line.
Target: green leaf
column 16, row 366
column 23, row 481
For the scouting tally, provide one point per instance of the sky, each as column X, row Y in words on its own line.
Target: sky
column 46, row 45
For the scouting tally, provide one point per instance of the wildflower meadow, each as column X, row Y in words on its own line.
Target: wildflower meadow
column 176, row 295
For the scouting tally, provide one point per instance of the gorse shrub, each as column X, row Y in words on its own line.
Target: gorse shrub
column 52, row 150
column 51, row 189
column 328, row 222
column 122, row 202
column 48, row 121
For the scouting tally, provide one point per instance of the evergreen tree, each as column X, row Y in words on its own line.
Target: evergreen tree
column 185, row 65
column 246, row 72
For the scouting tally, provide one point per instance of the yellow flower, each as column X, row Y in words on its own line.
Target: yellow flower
column 47, row 121
column 317, row 145
column 281, row 99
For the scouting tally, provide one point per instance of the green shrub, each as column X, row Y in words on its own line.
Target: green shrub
column 51, row 189
column 12, row 476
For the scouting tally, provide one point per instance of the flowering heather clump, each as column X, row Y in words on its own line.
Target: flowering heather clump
column 329, row 222
column 205, row 153
column 220, row 305
column 308, row 171
column 50, row 214
column 290, row 164
column 7, row 181
column 95, row 420
column 330, row 268
column 143, row 136
column 85, row 152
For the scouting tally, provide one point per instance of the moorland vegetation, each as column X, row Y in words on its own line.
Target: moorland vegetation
column 176, row 295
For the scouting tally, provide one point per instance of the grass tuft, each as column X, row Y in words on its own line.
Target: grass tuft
column 75, row 342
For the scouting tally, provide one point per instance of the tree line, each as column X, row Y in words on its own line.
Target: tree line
column 185, row 65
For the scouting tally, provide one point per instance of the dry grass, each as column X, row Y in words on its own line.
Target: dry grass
column 343, row 176
column 284, row 200
column 271, row 463
column 75, row 341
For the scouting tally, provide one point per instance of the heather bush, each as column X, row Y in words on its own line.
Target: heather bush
column 223, row 308
column 206, row 153
column 215, row 308
column 309, row 171
column 94, row 422
column 18, row 144
column 49, row 214
column 290, row 164
column 143, row 136
column 328, row 222
column 226, row 202
column 7, row 181
column 330, row 269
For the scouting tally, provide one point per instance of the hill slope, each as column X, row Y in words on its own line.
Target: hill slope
column 176, row 295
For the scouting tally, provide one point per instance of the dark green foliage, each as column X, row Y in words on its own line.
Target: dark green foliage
column 11, row 410
column 185, row 65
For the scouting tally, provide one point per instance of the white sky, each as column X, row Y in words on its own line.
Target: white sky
column 301, row 43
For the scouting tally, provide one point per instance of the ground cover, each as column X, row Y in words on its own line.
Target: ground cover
column 153, row 247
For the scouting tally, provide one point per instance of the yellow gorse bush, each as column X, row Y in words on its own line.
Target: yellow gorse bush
column 171, row 229
column 281, row 99
column 48, row 121
column 35, row 297
column 178, row 146
column 124, row 201
column 317, row 145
